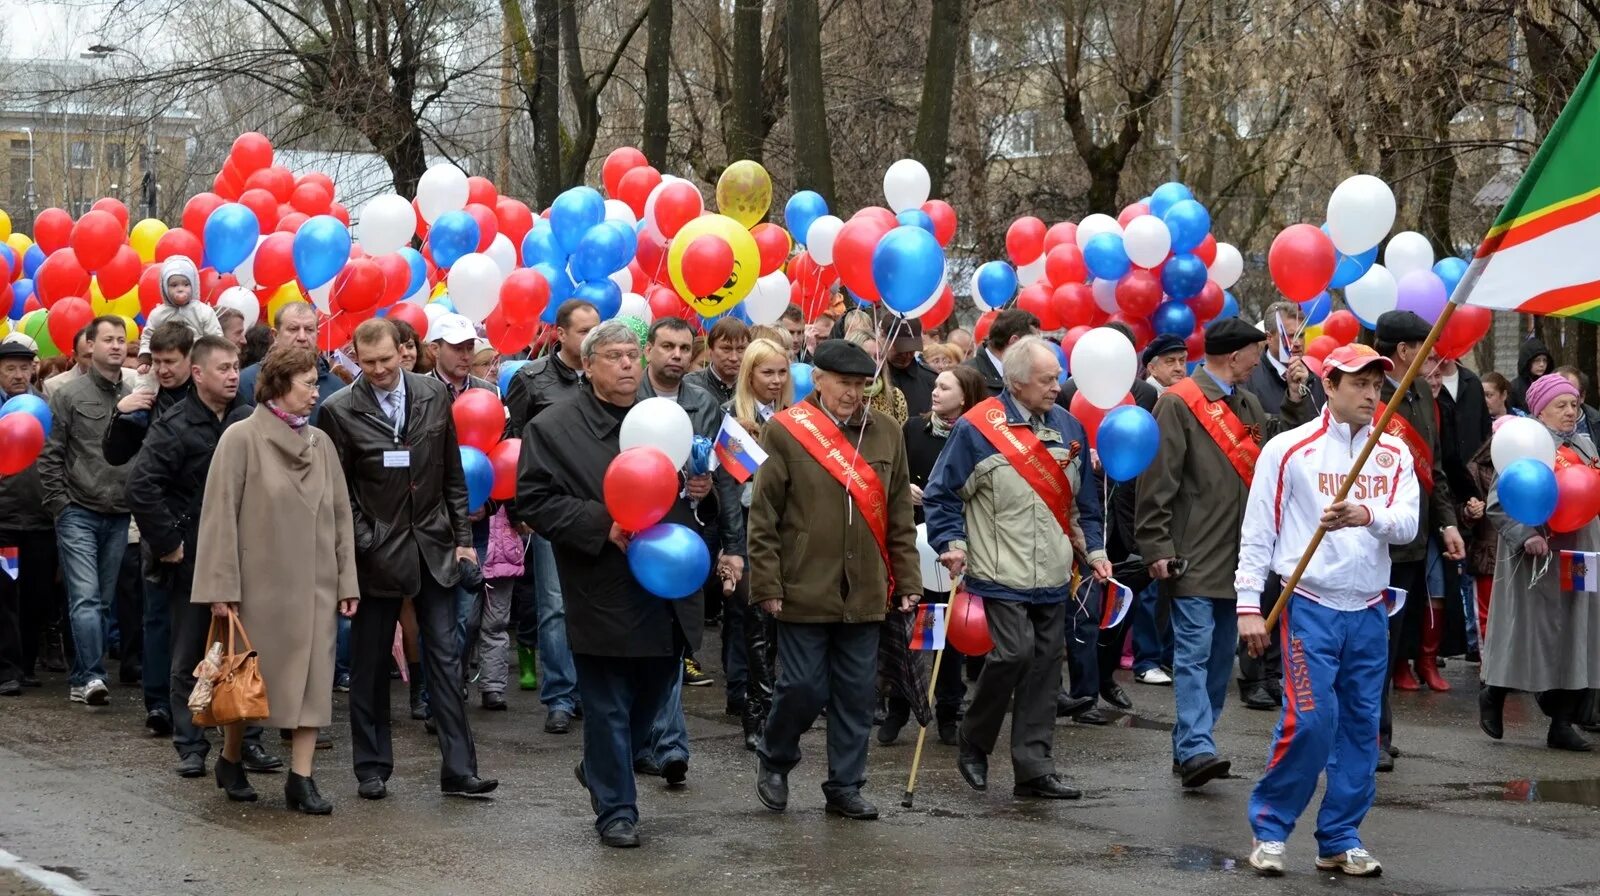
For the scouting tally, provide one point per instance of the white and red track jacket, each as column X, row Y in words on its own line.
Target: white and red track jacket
column 1296, row 478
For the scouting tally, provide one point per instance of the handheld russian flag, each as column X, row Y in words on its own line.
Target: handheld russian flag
column 8, row 561
column 1283, row 344
column 1395, row 598
column 1118, row 600
column 927, row 629
column 736, row 451
column 1580, row 571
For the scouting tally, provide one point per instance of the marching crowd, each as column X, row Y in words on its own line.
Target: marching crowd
column 205, row 473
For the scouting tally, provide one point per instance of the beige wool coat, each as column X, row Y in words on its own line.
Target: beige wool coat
column 276, row 536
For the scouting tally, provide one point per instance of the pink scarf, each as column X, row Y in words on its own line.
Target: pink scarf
column 295, row 421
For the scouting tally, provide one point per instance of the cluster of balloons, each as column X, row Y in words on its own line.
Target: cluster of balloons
column 24, row 423
column 640, row 487
column 1533, row 489
column 489, row 462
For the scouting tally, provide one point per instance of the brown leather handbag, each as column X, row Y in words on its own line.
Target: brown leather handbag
column 238, row 694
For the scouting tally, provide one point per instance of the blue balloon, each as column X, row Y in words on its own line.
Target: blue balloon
column 604, row 250
column 1527, row 490
column 1106, row 257
column 540, row 247
column 1230, row 306
column 480, row 476
column 802, row 210
column 21, row 291
column 321, row 248
column 997, row 283
column 1317, row 309
column 1127, row 442
column 508, row 369
column 915, row 217
column 230, row 236
column 1183, row 277
column 28, row 403
column 573, row 213
column 1173, row 317
column 1062, row 357
column 9, row 255
column 1351, row 268
column 1188, row 222
column 452, row 235
column 801, row 375
column 670, row 560
column 419, row 269
column 1450, row 270
column 31, row 260
column 1191, row 367
column 907, row 267
column 1167, row 195
column 604, row 294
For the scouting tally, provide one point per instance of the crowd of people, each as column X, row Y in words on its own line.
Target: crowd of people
column 208, row 471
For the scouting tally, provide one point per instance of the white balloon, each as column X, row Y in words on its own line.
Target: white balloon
column 1103, row 365
column 503, row 253
column 1031, row 273
column 1147, row 241
column 659, row 423
column 245, row 273
column 768, row 299
column 976, row 296
column 1360, row 213
column 1408, row 252
column 1228, row 266
column 385, row 224
column 624, row 281
column 933, row 300
column 906, row 185
column 820, row 237
column 1374, row 294
column 244, row 301
column 1094, row 225
column 474, row 285
column 1522, row 437
column 433, row 310
column 934, row 576
column 636, row 306
column 443, row 188
column 322, row 296
column 617, row 210
column 1105, row 295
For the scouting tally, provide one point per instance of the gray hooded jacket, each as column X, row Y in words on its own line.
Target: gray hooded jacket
column 196, row 315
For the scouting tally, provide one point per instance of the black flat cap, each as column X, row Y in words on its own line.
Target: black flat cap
column 1165, row 344
column 1402, row 326
column 1229, row 334
column 843, row 357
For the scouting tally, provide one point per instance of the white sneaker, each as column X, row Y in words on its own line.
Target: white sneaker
column 95, row 693
column 1153, row 675
column 1354, row 862
column 1267, row 858
column 75, row 694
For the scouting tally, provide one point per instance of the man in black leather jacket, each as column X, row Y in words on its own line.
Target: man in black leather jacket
column 25, row 602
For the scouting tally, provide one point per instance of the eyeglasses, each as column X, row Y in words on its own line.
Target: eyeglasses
column 616, row 357
column 309, row 384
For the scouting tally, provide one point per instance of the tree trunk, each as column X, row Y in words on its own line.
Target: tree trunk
column 947, row 37
column 545, row 101
column 657, row 88
column 745, row 133
column 813, row 152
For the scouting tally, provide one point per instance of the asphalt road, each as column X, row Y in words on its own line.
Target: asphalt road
column 87, row 795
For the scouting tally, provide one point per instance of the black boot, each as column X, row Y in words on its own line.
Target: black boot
column 231, row 778
column 419, row 704
column 1562, row 707
column 302, row 796
column 752, row 731
column 1491, row 710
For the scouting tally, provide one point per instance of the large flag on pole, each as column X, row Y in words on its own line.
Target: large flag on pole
column 1541, row 255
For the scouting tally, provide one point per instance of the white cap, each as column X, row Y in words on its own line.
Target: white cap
column 22, row 339
column 452, row 328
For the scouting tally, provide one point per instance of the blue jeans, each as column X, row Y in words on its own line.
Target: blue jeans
column 668, row 736
column 91, row 546
column 341, row 655
column 558, row 677
column 1205, row 633
column 157, row 648
column 1152, row 646
column 622, row 697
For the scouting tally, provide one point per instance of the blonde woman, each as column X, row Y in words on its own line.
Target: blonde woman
column 942, row 356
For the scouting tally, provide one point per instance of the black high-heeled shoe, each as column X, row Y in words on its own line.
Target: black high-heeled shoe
column 231, row 778
column 1491, row 710
column 302, row 796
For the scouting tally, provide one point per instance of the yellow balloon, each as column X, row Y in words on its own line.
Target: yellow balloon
column 746, row 263
column 133, row 332
column 124, row 306
column 288, row 292
column 744, row 193
column 1311, row 333
column 5, row 228
column 144, row 236
column 19, row 243
column 5, row 328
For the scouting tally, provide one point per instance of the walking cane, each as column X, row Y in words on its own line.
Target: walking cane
column 922, row 733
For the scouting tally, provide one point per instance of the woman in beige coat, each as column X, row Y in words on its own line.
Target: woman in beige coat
column 277, row 547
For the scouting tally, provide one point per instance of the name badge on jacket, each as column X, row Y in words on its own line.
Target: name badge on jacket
column 397, row 459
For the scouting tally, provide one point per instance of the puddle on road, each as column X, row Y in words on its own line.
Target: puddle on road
column 1577, row 791
column 1179, row 858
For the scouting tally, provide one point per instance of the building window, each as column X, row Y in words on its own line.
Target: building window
column 82, row 155
column 116, row 157
column 1024, row 134
column 80, row 207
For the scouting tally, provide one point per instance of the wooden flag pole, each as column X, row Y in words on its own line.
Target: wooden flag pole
column 933, row 683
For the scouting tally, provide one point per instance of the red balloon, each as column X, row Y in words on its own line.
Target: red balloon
column 251, row 151
column 120, row 274
column 60, row 277
column 666, row 303
column 651, row 257
column 1207, row 250
column 481, row 419
column 212, row 284
column 1302, row 260
column 149, row 288
column 1319, row 348
column 1074, row 305
column 507, row 339
column 1060, row 234
column 944, row 220
column 812, row 277
column 1343, row 326
column 291, row 222
column 503, row 461
column 1577, row 498
column 115, row 208
column 879, row 214
column 1139, row 326
column 980, row 330
column 180, row 241
column 411, row 314
column 967, row 629
column 1207, row 304
column 1036, row 300
column 1025, row 240
column 635, row 187
column 773, row 242
column 618, row 164
column 263, row 204
column 1132, row 211
column 311, row 198
column 66, row 318
column 1138, row 293
column 1196, row 344
column 488, row 225
column 677, row 204
column 51, row 229
column 334, row 331
column 21, row 440
column 1467, row 325
column 318, row 178
column 338, row 210
column 275, row 180
column 707, row 264
column 96, row 238
column 941, row 310
column 396, row 277
column 481, row 191
column 852, row 253
column 274, row 265
column 1069, row 340
column 1090, row 416
column 359, row 286
column 1063, row 264
column 198, row 209
column 523, row 297
column 640, row 486
column 514, row 219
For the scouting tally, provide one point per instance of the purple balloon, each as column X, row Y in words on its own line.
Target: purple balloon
column 1422, row 292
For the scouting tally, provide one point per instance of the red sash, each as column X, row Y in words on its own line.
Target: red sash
column 1421, row 451
column 1238, row 443
column 1028, row 456
column 1567, row 457
column 827, row 446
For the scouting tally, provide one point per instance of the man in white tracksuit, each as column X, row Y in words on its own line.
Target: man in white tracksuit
column 1334, row 632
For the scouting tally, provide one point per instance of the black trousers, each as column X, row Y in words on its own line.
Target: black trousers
column 1267, row 668
column 1092, row 654
column 130, row 611
column 824, row 664
column 1413, row 577
column 190, row 623
column 25, row 602
column 371, row 644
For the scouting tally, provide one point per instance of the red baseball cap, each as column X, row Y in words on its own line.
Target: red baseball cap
column 1351, row 358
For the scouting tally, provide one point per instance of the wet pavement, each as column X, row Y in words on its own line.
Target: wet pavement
column 84, row 793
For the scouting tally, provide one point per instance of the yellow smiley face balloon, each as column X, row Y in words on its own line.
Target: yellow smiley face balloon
column 746, row 263
column 744, row 193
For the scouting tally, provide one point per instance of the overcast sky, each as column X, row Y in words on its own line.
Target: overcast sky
column 32, row 29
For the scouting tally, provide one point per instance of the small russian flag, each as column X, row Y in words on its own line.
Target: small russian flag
column 927, row 629
column 8, row 561
column 1395, row 598
column 737, row 451
column 1580, row 571
column 1118, row 600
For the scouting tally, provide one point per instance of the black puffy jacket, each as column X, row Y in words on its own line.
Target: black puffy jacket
column 537, row 385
